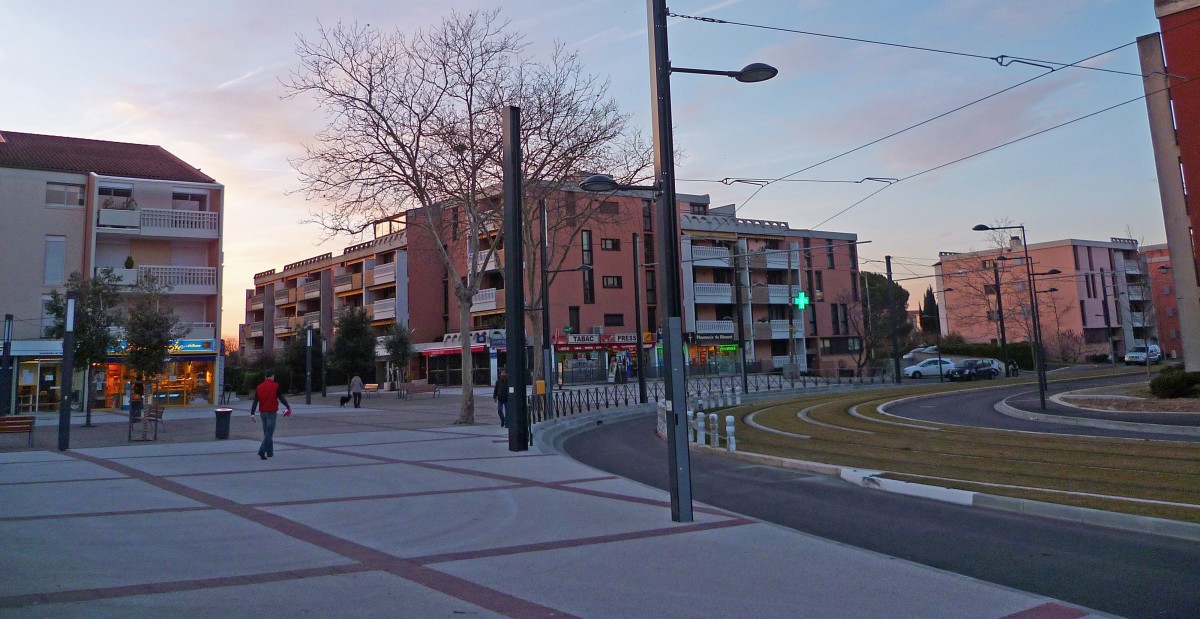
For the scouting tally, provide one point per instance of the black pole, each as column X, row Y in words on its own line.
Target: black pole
column 6, row 368
column 1112, row 349
column 548, row 364
column 324, row 343
column 308, row 365
column 1038, row 358
column 680, row 474
column 514, row 285
column 68, row 368
column 741, row 327
column 637, row 318
column 1000, row 313
column 891, row 303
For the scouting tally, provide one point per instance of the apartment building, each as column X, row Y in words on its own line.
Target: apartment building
column 1157, row 259
column 1099, row 302
column 600, row 280
column 85, row 205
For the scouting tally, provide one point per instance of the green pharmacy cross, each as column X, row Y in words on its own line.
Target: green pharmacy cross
column 801, row 300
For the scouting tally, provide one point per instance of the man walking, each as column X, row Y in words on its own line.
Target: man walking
column 268, row 396
column 355, row 390
column 500, row 395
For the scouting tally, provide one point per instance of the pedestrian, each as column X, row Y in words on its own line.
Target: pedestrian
column 355, row 390
column 500, row 396
column 267, row 396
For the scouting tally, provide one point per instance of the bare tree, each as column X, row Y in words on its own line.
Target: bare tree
column 415, row 125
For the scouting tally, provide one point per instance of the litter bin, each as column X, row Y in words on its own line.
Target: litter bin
column 223, row 416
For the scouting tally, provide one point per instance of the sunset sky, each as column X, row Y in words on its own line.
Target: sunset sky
column 203, row 80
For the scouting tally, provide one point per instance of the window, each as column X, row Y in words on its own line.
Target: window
column 610, row 244
column 853, row 256
column 614, row 320
column 1170, row 312
column 647, row 219
column 826, row 346
column 115, row 196
column 854, row 287
column 993, row 315
column 845, row 319
column 47, row 319
column 651, row 286
column 54, row 261
column 589, row 288
column 652, row 318
column 587, row 246
column 188, row 201
column 609, row 208
column 829, row 252
column 854, row 344
column 611, row 281
column 837, row 324
column 819, row 291
column 1083, row 312
column 62, row 194
column 699, row 209
column 989, row 289
column 573, row 318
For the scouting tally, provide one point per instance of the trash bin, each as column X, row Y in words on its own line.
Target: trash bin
column 223, row 416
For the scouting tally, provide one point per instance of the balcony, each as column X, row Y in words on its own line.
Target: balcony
column 256, row 329
column 383, row 274
column 347, row 282
column 1137, row 293
column 183, row 280
column 125, row 277
column 311, row 290
column 488, row 299
column 383, row 310
column 256, row 301
column 286, row 296
column 771, row 293
column 714, row 326
column 703, row 256
column 312, row 319
column 770, row 259
column 287, row 324
column 713, row 293
column 201, row 331
column 159, row 223
column 772, row 330
column 482, row 263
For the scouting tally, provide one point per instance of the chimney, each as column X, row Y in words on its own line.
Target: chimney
column 1014, row 243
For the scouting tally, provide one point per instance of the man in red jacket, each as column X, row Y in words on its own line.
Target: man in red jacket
column 267, row 396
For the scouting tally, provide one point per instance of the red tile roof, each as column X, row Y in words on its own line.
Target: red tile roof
column 31, row 151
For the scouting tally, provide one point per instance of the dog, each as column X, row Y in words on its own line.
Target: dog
column 342, row 401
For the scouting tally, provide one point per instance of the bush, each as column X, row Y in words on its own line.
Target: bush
column 1175, row 384
column 250, row 380
column 1098, row 358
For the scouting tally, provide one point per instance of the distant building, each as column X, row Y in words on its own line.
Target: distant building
column 399, row 276
column 1166, row 313
column 1099, row 302
column 83, row 205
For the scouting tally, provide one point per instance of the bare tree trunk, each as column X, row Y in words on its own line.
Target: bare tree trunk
column 466, row 414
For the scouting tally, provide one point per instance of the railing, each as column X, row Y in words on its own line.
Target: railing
column 183, row 280
column 256, row 301
column 487, row 299
column 384, row 273
column 312, row 319
column 714, row 326
column 710, row 256
column 199, row 330
column 256, row 329
column 312, row 290
column 201, row 221
column 383, row 310
column 776, row 329
column 713, row 293
column 480, row 260
column 281, row 296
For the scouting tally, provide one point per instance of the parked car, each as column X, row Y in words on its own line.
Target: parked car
column 1138, row 355
column 930, row 350
column 928, row 367
column 976, row 368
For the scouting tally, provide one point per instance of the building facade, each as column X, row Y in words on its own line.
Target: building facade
column 603, row 277
column 1099, row 302
column 1157, row 259
column 87, row 205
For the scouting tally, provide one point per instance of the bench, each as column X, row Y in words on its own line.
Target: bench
column 410, row 388
column 370, row 388
column 18, row 423
column 151, row 416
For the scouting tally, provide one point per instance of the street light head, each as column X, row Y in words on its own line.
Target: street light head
column 599, row 183
column 756, row 72
column 1052, row 290
column 584, row 267
column 1053, row 272
column 1164, row 269
column 981, row 227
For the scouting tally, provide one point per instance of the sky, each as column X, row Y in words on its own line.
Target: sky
column 204, row 80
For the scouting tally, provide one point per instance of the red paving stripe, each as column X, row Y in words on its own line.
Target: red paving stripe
column 371, row 558
column 577, row 542
column 129, row 512
column 1049, row 610
column 397, row 495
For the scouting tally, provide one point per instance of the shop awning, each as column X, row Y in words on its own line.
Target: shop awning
column 451, row 350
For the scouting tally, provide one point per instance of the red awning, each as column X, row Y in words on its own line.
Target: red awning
column 451, row 350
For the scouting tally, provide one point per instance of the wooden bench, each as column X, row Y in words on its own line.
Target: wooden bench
column 15, row 424
column 371, row 388
column 410, row 388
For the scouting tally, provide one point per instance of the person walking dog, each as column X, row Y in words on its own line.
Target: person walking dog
column 267, row 397
column 500, row 395
column 355, row 389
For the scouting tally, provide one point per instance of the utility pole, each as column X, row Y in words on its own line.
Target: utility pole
column 1000, row 314
column 891, row 307
column 514, row 284
column 637, row 317
column 547, row 347
column 6, row 368
column 741, row 322
column 308, row 364
column 68, row 363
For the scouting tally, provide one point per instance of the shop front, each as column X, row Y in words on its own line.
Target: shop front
column 713, row 354
column 599, row 357
column 189, row 379
column 442, row 361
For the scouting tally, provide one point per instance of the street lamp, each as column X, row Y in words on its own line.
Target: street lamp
column 668, row 243
column 1038, row 357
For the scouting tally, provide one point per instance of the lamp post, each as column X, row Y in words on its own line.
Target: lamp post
column 1036, row 331
column 668, row 243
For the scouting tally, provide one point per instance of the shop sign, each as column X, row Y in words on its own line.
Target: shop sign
column 710, row 337
column 583, row 338
column 727, row 348
column 176, row 347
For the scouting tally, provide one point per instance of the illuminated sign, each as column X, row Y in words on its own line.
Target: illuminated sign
column 176, row 347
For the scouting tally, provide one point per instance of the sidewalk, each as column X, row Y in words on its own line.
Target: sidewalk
column 393, row 512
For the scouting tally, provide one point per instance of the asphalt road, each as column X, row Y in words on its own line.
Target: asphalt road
column 1118, row 572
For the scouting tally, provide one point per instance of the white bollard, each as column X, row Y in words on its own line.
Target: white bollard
column 737, row 397
column 728, row 397
column 730, row 441
column 700, row 438
column 700, row 405
column 716, row 436
column 691, row 424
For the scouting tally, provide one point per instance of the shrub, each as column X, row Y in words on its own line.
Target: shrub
column 1098, row 358
column 250, row 380
column 1175, row 384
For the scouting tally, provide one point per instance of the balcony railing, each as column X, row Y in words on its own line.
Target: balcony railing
column 714, row 326
column 347, row 282
column 256, row 301
column 713, row 293
column 201, row 330
column 183, row 280
column 312, row 319
column 772, row 330
column 488, row 299
column 312, row 290
column 160, row 222
column 383, row 310
column 481, row 263
column 703, row 256
column 384, row 273
column 256, row 329
column 285, row 296
column 771, row 293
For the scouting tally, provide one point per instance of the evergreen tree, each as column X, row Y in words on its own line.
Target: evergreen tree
column 931, row 319
column 399, row 347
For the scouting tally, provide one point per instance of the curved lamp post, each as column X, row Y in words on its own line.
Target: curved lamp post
column 668, row 243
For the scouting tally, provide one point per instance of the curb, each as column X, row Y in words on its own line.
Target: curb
column 1004, row 408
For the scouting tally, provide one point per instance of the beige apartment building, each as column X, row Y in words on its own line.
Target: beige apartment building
column 1099, row 302
column 80, row 205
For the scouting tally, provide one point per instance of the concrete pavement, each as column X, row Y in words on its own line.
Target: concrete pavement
column 391, row 511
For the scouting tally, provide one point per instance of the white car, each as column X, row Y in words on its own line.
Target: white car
column 1138, row 355
column 928, row 367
